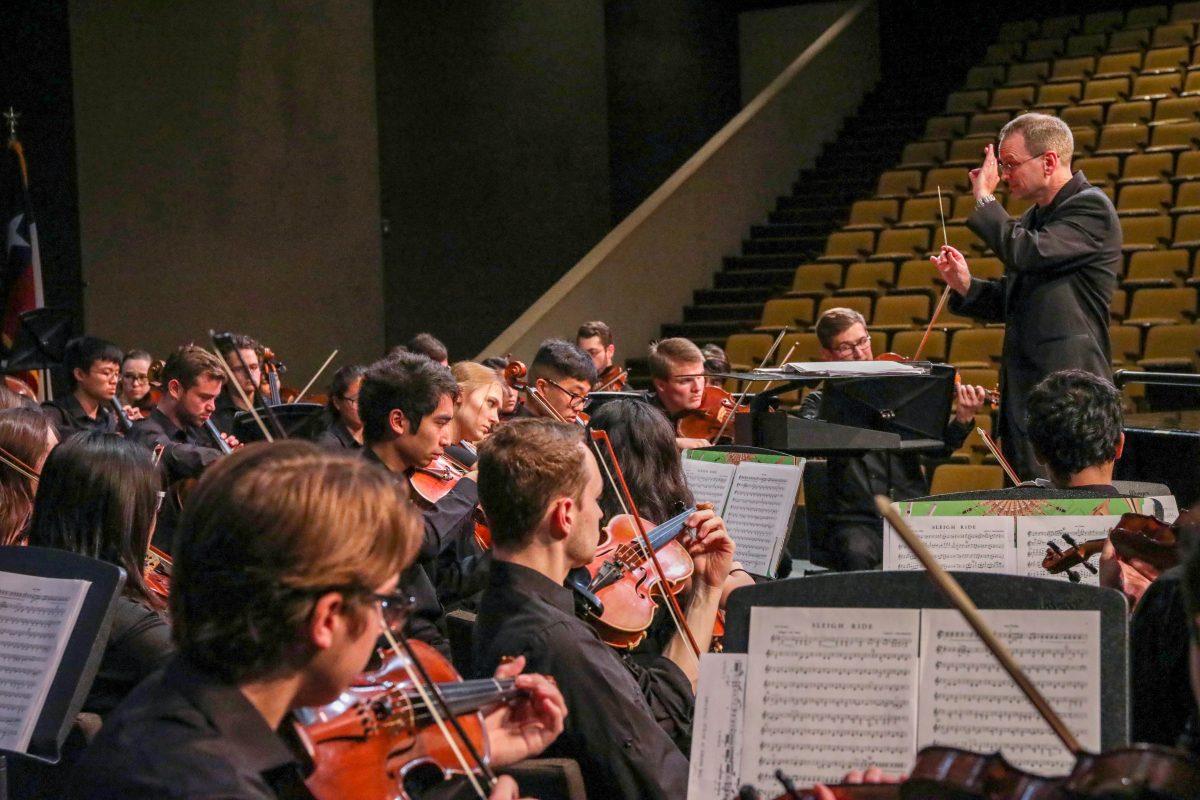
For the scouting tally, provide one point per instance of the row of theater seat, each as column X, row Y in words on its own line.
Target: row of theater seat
column 1160, row 99
column 966, row 135
column 1097, row 23
column 1082, row 66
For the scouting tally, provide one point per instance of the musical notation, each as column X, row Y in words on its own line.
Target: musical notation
column 966, row 544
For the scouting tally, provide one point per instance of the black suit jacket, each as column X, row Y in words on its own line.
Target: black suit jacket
column 1061, row 264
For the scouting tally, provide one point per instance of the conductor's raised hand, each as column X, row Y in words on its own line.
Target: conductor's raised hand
column 986, row 177
column 952, row 266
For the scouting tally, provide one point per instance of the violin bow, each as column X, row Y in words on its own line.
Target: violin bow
column 17, row 465
column 672, row 602
column 746, row 389
column 945, row 291
column 990, row 443
column 313, row 379
column 435, row 701
column 953, row 592
column 234, row 381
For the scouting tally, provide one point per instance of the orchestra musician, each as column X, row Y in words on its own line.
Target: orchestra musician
column 716, row 361
column 243, row 354
column 595, row 338
column 271, row 613
column 478, row 410
column 428, row 345
column 677, row 375
column 1062, row 261
column 563, row 376
column 854, row 531
column 27, row 435
column 541, row 487
column 345, row 431
column 510, row 402
column 93, row 369
column 135, row 394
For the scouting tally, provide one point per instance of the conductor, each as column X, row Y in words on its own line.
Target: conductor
column 1061, row 262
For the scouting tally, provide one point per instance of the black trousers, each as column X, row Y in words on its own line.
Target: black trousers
column 855, row 545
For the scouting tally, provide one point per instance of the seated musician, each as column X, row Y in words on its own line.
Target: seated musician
column 478, row 411
column 854, row 531
column 595, row 338
column 715, row 361
column 26, row 435
column 272, row 613
column 345, row 424
column 135, row 392
column 677, row 374
column 191, row 380
column 1075, row 427
column 93, row 369
column 511, row 401
column 243, row 355
column 541, row 488
column 428, row 345
column 563, row 375
column 407, row 405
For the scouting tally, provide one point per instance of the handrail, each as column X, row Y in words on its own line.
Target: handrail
column 508, row 339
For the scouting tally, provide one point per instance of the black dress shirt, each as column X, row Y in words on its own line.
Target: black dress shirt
column 68, row 417
column 187, row 451
column 138, row 644
column 338, row 437
column 185, row 734
column 611, row 727
column 1160, row 692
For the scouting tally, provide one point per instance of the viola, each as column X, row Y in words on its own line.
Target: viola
column 435, row 480
column 156, row 573
column 611, row 379
column 1137, row 536
column 15, row 384
column 380, row 734
column 707, row 421
column 624, row 583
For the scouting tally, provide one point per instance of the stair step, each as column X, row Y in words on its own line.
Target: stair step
column 776, row 262
column 800, row 246
column 722, row 312
column 820, row 228
column 711, row 331
column 789, row 216
column 756, row 278
column 754, row 294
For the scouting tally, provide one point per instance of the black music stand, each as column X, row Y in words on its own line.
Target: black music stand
column 914, row 590
column 41, row 340
column 914, row 407
column 294, row 420
column 84, row 649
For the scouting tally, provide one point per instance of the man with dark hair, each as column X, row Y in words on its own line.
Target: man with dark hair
column 595, row 338
column 428, row 345
column 244, row 356
column 854, row 532
column 272, row 612
column 563, row 375
column 1062, row 259
column 406, row 404
column 93, row 372
column 541, row 488
column 1075, row 428
column 677, row 375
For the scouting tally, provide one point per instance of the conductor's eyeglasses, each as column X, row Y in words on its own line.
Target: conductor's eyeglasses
column 1010, row 167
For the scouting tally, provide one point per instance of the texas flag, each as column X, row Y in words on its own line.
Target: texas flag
column 21, row 279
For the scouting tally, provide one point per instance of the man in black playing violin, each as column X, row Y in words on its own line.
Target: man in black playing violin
column 285, row 578
column 854, row 532
column 563, row 375
column 93, row 369
column 677, row 375
column 541, row 488
column 595, row 338
column 244, row 356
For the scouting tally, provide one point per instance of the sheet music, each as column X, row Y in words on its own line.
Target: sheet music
column 969, row 544
column 759, row 512
column 716, row 757
column 37, row 616
column 708, row 480
column 1034, row 532
column 1162, row 506
column 854, row 368
column 968, row 701
column 829, row 690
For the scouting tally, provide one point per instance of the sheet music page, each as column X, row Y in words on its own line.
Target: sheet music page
column 716, row 757
column 759, row 512
column 968, row 700
column 709, row 480
column 37, row 616
column 854, row 368
column 969, row 544
column 829, row 690
column 1034, row 532
column 1162, row 506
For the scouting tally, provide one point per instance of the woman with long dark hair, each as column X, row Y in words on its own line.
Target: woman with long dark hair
column 98, row 496
column 27, row 437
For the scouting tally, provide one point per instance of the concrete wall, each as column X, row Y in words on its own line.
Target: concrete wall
column 227, row 156
column 643, row 272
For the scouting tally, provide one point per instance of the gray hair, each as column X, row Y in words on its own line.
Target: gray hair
column 1042, row 133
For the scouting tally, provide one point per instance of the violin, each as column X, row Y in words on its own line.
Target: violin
column 156, row 573
column 612, row 378
column 275, row 394
column 18, row 386
column 712, row 417
column 379, row 739
column 435, row 480
column 622, row 580
column 1135, row 536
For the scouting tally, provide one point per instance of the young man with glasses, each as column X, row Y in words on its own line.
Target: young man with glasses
column 93, row 369
column 135, row 392
column 1062, row 259
column 563, row 375
column 285, row 579
column 854, row 532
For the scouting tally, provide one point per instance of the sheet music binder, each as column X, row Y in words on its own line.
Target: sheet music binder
column 85, row 648
column 914, row 590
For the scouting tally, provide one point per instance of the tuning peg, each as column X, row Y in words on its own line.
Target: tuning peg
column 1090, row 568
column 1067, row 538
column 1054, row 547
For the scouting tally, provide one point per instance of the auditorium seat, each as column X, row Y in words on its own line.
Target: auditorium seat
column 1171, row 138
column 1187, row 231
column 1061, row 27
column 1130, row 112
column 973, row 449
column 787, row 312
column 967, row 101
column 816, row 280
column 1118, row 306
column 950, row 478
column 1003, row 52
column 1116, row 65
column 922, row 212
column 1162, row 268
column 747, row 350
column 977, row 347
column 872, row 214
column 1105, row 90
column 1172, row 348
column 1145, row 199
column 860, row 304
column 949, row 321
column 964, row 153
column 990, row 268
column 1188, row 167
column 1122, row 140
column 1146, row 16
column 987, row 125
column 1085, row 44
column 1146, row 233
column 1187, row 200
column 985, row 76
column 1156, row 87
column 1077, row 117
column 1126, row 342
column 1150, row 307
column 1073, row 70
column 1016, row 206
column 1099, row 171
column 900, row 311
column 1177, row 109
column 1017, row 30
column 964, row 240
column 1012, row 98
column 1056, row 96
column 847, row 246
column 1028, row 73
column 1164, row 60
column 1103, row 21
column 898, row 184
column 1148, row 168
column 1122, row 41
column 905, row 343
column 1174, row 35
column 945, row 127
column 951, row 180
column 901, row 244
column 1044, row 49
column 1191, row 84
column 1085, row 140
column 1181, row 12
column 802, row 346
column 868, row 278
column 922, row 155
column 964, row 204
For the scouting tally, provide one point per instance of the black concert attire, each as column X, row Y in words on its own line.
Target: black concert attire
column 68, row 417
column 338, row 437
column 464, row 453
column 854, row 531
column 225, row 410
column 622, row 717
column 139, row 644
column 1061, row 265
column 1160, row 699
column 187, row 451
